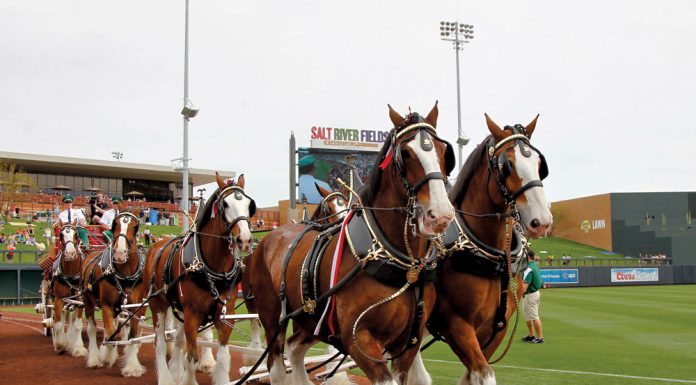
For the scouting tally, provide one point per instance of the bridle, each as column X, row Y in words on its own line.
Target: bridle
column 325, row 211
column 218, row 209
column 499, row 163
column 127, row 217
column 78, row 251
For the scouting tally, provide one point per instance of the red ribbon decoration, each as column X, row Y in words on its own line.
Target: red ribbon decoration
column 387, row 159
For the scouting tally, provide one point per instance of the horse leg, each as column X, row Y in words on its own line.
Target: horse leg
column 176, row 362
column 132, row 366
column 340, row 378
column 461, row 337
column 171, row 324
column 221, row 372
column 164, row 376
column 191, row 323
column 298, row 344
column 108, row 353
column 92, row 348
column 60, row 342
column 366, row 357
column 207, row 360
column 77, row 348
column 255, row 343
column 417, row 375
column 275, row 363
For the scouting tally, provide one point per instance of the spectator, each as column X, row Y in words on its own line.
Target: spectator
column 549, row 260
column 108, row 217
column 532, row 283
column 10, row 251
column 147, row 236
column 566, row 259
column 99, row 206
column 2, row 238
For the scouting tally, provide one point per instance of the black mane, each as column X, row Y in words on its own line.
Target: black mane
column 464, row 178
column 369, row 190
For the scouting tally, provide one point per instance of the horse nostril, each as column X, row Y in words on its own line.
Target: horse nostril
column 535, row 223
column 431, row 213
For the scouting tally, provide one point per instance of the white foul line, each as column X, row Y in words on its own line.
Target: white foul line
column 578, row 372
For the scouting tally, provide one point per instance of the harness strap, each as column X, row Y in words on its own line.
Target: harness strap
column 428, row 177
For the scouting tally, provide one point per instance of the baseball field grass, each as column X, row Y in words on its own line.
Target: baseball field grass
column 634, row 335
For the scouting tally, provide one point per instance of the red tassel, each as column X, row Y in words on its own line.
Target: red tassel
column 387, row 159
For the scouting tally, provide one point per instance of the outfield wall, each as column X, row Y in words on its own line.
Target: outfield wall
column 584, row 276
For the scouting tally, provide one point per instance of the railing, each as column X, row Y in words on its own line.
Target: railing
column 21, row 256
column 604, row 262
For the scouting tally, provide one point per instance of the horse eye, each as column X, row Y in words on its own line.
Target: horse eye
column 405, row 154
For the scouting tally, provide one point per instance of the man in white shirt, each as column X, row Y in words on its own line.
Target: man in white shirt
column 75, row 217
column 108, row 217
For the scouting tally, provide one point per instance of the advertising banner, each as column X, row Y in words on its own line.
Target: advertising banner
column 635, row 275
column 559, row 275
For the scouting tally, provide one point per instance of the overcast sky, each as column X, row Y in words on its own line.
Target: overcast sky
column 614, row 81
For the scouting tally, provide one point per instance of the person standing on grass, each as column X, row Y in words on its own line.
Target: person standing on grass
column 532, row 283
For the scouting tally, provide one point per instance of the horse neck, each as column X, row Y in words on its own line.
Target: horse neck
column 214, row 250
column 477, row 200
column 392, row 222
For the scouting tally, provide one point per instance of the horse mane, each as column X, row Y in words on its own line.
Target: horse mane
column 203, row 214
column 467, row 172
column 369, row 190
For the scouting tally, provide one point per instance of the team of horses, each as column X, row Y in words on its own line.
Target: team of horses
column 373, row 272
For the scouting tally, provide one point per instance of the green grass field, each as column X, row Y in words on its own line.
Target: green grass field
column 635, row 335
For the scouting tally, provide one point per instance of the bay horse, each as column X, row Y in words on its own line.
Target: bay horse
column 478, row 286
column 111, row 278
column 65, row 283
column 196, row 274
column 385, row 265
column 333, row 206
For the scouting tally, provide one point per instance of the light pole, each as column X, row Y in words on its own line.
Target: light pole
column 459, row 34
column 118, row 155
column 188, row 112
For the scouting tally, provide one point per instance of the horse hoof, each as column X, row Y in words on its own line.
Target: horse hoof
column 135, row 371
column 79, row 352
column 94, row 365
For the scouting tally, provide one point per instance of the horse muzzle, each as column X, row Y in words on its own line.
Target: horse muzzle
column 435, row 220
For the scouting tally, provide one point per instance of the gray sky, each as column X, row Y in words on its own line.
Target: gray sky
column 611, row 79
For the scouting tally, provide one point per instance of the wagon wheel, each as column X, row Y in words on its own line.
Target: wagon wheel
column 47, row 311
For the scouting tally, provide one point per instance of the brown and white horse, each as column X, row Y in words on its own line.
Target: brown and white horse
column 196, row 275
column 333, row 206
column 110, row 279
column 478, row 287
column 380, row 299
column 65, row 283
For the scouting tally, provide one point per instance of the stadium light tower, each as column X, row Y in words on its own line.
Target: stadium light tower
column 118, row 155
column 188, row 112
column 459, row 34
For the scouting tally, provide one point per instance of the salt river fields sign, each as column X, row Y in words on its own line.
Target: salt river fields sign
column 347, row 138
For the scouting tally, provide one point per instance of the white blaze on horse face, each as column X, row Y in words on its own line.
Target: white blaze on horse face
column 69, row 235
column 341, row 207
column 121, row 248
column 237, row 205
column 436, row 217
column 535, row 216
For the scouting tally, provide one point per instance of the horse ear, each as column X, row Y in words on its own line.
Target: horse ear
column 531, row 126
column 324, row 192
column 495, row 130
column 240, row 181
column 218, row 179
column 395, row 117
column 432, row 116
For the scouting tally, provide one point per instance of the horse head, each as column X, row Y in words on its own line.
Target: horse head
column 517, row 169
column 69, row 239
column 235, row 208
column 333, row 206
column 421, row 161
column 125, row 229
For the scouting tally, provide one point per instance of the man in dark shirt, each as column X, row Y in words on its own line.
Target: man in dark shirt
column 98, row 208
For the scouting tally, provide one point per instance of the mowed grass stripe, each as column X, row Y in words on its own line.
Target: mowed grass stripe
column 609, row 335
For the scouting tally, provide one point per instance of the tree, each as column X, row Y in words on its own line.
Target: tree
column 12, row 181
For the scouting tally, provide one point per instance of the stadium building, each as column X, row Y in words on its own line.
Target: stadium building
column 633, row 224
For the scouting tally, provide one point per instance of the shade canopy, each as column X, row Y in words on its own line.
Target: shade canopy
column 62, row 187
column 133, row 193
column 93, row 189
